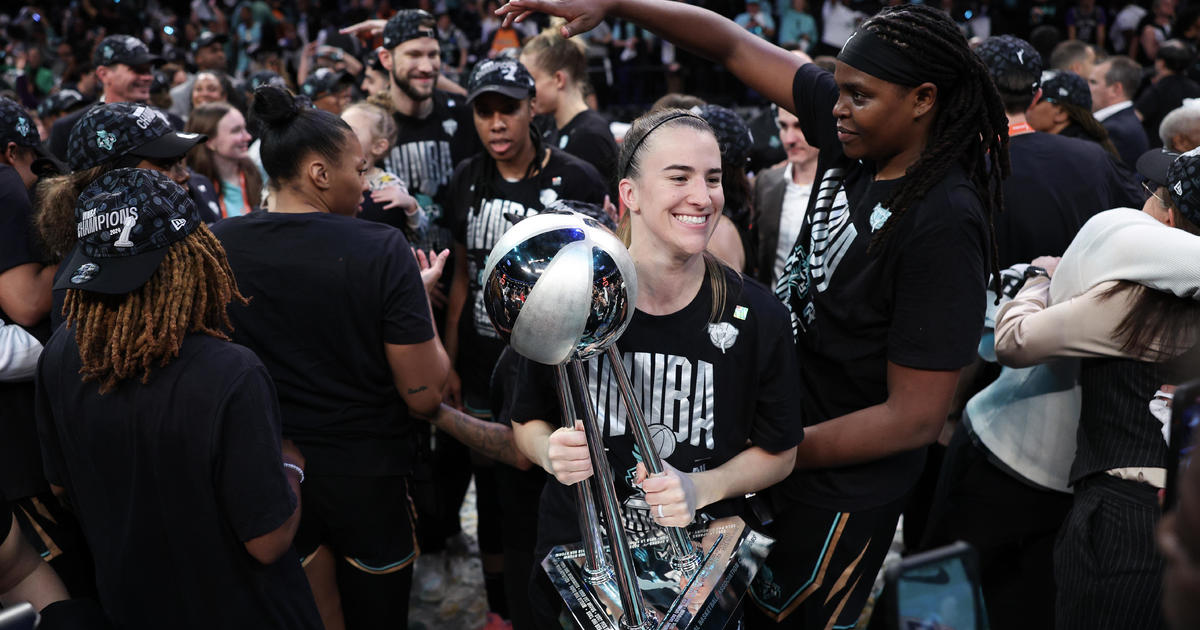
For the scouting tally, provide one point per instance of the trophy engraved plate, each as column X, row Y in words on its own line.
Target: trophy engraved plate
column 730, row 556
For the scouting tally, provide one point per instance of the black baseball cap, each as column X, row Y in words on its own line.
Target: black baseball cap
column 408, row 24
column 60, row 102
column 733, row 135
column 324, row 81
column 125, row 49
column 113, row 130
column 1066, row 88
column 266, row 77
column 16, row 125
column 208, row 38
column 1007, row 56
column 1179, row 174
column 506, row 76
column 126, row 220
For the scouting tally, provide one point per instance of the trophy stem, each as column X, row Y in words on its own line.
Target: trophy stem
column 634, row 607
column 596, row 569
column 684, row 556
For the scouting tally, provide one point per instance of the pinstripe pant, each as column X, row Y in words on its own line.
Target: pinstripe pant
column 1108, row 572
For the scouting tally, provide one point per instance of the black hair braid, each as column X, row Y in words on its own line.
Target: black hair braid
column 970, row 128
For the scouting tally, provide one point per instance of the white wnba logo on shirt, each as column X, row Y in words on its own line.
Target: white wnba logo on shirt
column 722, row 335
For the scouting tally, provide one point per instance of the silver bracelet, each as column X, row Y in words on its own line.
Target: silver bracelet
column 299, row 470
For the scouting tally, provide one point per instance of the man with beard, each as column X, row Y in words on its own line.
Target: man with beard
column 435, row 125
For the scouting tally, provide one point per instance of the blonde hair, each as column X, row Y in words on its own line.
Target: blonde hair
column 382, row 110
column 553, row 52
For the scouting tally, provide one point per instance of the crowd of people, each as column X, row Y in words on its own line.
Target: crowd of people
column 916, row 267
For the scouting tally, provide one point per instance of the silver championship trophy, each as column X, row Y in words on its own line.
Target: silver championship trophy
column 561, row 289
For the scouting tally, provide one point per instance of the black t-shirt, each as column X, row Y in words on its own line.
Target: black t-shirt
column 20, row 461
column 327, row 292
column 706, row 389
column 1057, row 184
column 588, row 137
column 428, row 149
column 170, row 478
column 917, row 301
column 479, row 203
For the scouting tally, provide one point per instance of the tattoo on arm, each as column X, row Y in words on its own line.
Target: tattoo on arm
column 491, row 439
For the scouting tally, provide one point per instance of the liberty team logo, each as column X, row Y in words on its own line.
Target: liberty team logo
column 105, row 140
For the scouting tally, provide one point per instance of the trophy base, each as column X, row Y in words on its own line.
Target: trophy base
column 729, row 555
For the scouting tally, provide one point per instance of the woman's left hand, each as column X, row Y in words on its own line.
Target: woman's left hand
column 431, row 266
column 671, row 495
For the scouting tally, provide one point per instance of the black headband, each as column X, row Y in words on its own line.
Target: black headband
column 882, row 59
column 638, row 145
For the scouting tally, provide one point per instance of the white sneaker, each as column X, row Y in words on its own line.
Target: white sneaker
column 430, row 577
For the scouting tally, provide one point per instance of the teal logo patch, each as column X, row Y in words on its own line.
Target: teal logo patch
column 105, row 140
column 879, row 216
column 22, row 126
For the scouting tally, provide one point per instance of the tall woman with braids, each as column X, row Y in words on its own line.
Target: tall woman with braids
column 885, row 284
column 166, row 436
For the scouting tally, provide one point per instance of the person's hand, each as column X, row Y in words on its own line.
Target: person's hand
column 291, row 453
column 1049, row 263
column 394, row 197
column 581, row 15
column 453, row 396
column 370, row 28
column 431, row 267
column 568, row 456
column 671, row 495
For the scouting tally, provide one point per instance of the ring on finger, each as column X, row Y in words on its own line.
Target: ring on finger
column 660, row 512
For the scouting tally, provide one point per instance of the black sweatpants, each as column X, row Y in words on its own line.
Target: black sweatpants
column 1012, row 526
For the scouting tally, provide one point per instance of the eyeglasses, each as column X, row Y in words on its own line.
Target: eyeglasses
column 1154, row 194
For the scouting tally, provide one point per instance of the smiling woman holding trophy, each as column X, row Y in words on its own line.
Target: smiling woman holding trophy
column 708, row 353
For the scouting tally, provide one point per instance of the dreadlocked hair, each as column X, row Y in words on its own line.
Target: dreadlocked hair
column 123, row 336
column 969, row 128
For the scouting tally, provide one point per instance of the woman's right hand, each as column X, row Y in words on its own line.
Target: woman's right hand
column 581, row 15
column 567, row 455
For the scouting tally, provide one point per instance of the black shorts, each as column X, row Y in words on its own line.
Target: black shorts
column 822, row 567
column 368, row 521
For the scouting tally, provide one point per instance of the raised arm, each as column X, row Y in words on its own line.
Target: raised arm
column 758, row 63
